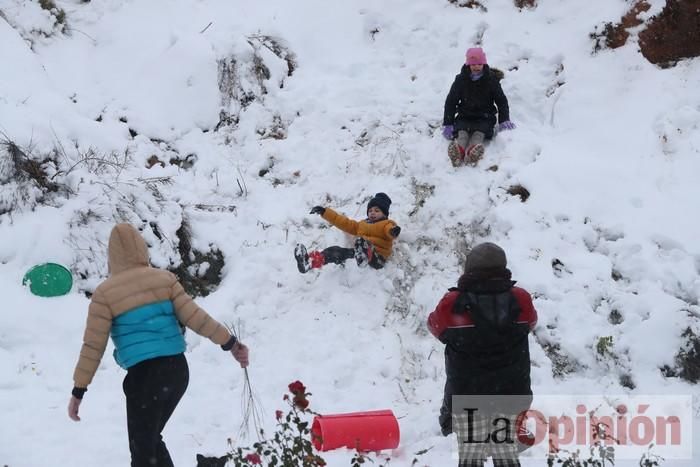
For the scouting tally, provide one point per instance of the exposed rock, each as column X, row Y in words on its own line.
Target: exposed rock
column 626, row 381
column 672, row 35
column 473, row 4
column 525, row 3
column 519, row 190
column 611, row 35
column 667, row 38
column 615, row 317
column 153, row 160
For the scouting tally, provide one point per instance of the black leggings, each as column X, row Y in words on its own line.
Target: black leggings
column 153, row 389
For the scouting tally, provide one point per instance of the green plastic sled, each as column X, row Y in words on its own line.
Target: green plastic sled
column 48, row 280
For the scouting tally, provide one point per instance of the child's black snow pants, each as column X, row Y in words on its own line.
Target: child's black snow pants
column 338, row 254
column 153, row 389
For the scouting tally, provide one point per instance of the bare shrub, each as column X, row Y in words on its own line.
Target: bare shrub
column 199, row 272
column 26, row 179
column 58, row 13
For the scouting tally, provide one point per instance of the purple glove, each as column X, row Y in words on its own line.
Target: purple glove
column 448, row 132
column 507, row 125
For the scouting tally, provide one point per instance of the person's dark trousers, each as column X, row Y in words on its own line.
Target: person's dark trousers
column 445, row 418
column 338, row 255
column 153, row 389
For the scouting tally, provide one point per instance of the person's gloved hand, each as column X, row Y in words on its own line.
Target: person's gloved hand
column 507, row 125
column 395, row 231
column 448, row 132
column 320, row 210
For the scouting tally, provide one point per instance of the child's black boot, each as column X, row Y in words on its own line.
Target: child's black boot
column 307, row 261
column 302, row 258
column 363, row 252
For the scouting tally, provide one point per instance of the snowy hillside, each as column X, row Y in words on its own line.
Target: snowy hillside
column 235, row 118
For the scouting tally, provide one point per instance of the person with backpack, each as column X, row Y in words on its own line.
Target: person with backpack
column 484, row 323
column 373, row 245
column 471, row 106
column 144, row 310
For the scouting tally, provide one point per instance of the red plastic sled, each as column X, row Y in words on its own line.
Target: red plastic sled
column 364, row 431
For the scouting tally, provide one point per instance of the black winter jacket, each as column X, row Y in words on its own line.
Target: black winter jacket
column 486, row 349
column 476, row 100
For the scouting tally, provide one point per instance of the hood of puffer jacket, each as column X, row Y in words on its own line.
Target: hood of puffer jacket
column 127, row 249
column 495, row 73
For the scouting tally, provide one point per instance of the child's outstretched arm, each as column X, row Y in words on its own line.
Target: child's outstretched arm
column 345, row 224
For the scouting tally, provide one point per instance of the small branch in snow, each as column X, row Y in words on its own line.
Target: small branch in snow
column 72, row 29
column 242, row 188
column 405, row 397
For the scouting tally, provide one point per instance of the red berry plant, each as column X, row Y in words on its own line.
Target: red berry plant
column 291, row 444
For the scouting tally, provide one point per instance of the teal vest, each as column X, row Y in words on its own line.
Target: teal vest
column 146, row 332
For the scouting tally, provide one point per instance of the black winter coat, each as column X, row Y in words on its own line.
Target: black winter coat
column 486, row 349
column 478, row 100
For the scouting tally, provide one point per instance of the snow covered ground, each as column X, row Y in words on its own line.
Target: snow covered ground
column 607, row 145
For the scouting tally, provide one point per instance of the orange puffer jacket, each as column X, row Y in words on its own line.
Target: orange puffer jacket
column 377, row 233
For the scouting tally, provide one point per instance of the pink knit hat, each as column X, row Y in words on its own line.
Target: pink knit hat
column 476, row 56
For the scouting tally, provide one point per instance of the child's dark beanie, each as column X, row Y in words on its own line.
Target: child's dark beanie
column 381, row 201
column 485, row 256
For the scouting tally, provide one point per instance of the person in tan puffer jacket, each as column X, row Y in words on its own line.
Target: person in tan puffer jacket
column 143, row 309
column 375, row 237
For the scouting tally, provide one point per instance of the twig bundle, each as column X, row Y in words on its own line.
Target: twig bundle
column 250, row 405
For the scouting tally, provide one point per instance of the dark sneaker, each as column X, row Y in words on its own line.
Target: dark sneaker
column 302, row 258
column 474, row 154
column 361, row 252
column 456, row 156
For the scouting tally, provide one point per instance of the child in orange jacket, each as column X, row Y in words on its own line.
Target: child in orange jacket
column 375, row 236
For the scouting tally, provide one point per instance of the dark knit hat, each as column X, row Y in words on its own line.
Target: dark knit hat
column 381, row 201
column 485, row 256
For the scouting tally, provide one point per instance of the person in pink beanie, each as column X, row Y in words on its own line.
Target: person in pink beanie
column 473, row 106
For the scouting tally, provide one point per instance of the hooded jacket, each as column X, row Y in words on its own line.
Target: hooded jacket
column 476, row 100
column 141, row 307
column 377, row 233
